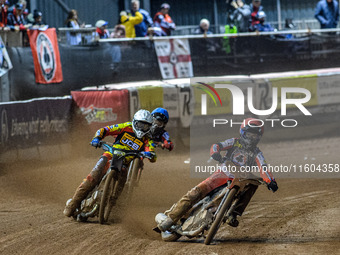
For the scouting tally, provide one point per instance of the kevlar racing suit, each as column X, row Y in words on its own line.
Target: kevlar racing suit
column 125, row 139
column 236, row 155
column 160, row 135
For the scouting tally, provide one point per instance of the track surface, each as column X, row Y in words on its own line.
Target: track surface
column 301, row 218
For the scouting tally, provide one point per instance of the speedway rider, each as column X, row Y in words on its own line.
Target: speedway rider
column 241, row 151
column 159, row 134
column 129, row 136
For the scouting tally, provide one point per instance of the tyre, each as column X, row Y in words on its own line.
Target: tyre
column 108, row 197
column 170, row 237
column 219, row 217
column 133, row 179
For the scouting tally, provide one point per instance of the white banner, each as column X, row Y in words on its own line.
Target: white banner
column 5, row 62
column 174, row 58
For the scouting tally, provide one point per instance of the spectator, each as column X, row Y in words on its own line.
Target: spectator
column 115, row 52
column 73, row 38
column 241, row 15
column 163, row 20
column 4, row 13
column 35, row 19
column 262, row 26
column 101, row 31
column 203, row 46
column 204, row 27
column 25, row 11
column 327, row 13
column 255, row 7
column 155, row 31
column 16, row 20
column 118, row 31
column 141, row 28
column 129, row 22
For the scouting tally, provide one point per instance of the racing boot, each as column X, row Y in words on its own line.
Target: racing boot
column 81, row 193
column 179, row 209
column 163, row 222
column 232, row 220
column 86, row 186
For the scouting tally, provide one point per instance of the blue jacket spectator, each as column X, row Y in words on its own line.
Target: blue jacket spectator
column 141, row 29
column 262, row 26
column 327, row 13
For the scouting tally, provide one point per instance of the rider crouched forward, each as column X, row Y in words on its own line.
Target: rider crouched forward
column 159, row 134
column 241, row 151
column 129, row 136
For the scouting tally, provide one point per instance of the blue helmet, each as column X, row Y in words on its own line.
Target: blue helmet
column 160, row 114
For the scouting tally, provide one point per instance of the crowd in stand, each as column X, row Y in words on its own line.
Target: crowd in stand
column 18, row 18
column 137, row 22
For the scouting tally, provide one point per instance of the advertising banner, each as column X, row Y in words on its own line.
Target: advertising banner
column 102, row 108
column 29, row 123
column 46, row 58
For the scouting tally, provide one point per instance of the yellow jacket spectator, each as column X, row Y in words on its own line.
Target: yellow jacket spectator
column 130, row 21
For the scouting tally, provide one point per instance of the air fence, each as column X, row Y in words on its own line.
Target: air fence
column 41, row 128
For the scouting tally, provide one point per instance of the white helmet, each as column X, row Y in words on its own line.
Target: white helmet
column 141, row 123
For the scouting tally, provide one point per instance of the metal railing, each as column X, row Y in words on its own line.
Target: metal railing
column 88, row 35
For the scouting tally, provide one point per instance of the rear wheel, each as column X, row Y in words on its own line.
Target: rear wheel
column 219, row 217
column 109, row 197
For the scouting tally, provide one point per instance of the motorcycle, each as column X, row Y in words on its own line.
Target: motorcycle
column 103, row 197
column 206, row 216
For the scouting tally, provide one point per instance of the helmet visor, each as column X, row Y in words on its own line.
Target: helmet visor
column 143, row 126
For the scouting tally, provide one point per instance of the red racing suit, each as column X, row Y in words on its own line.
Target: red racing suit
column 236, row 155
column 160, row 135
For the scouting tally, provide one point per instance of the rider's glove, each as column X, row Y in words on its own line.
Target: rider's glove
column 147, row 154
column 95, row 142
column 168, row 145
column 273, row 186
column 217, row 156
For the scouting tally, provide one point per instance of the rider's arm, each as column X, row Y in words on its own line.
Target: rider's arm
column 149, row 147
column 265, row 173
column 166, row 141
column 222, row 146
column 113, row 130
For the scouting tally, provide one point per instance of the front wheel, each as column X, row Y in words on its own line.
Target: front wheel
column 109, row 197
column 133, row 177
column 219, row 217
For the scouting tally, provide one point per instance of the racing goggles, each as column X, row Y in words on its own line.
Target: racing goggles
column 158, row 123
column 252, row 136
column 143, row 126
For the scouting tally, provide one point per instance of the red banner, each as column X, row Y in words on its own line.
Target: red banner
column 46, row 58
column 102, row 108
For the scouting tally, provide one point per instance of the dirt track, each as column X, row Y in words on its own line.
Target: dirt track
column 301, row 218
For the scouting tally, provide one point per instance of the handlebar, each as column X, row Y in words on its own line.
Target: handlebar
column 124, row 153
column 221, row 161
column 108, row 147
